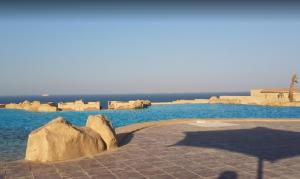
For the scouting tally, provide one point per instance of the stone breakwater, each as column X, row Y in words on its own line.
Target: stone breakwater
column 137, row 104
column 59, row 140
column 79, row 105
column 35, row 106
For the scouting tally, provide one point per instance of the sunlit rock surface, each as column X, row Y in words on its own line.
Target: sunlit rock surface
column 102, row 126
column 135, row 104
column 35, row 106
column 79, row 105
column 59, row 140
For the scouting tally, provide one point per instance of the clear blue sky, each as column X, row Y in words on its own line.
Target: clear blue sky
column 100, row 55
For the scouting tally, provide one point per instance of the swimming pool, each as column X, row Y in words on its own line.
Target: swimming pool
column 15, row 125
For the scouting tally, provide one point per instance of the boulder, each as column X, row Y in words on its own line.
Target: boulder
column 79, row 105
column 135, row 104
column 60, row 140
column 103, row 127
column 146, row 103
column 2, row 105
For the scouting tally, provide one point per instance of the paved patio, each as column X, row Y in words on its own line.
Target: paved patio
column 189, row 150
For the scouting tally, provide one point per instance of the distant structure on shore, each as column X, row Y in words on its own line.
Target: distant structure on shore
column 45, row 95
column 268, row 97
column 264, row 97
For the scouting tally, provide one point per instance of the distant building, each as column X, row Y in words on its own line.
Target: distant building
column 275, row 94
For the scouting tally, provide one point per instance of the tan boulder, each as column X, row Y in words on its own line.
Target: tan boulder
column 134, row 104
column 79, row 105
column 102, row 126
column 146, row 103
column 60, row 140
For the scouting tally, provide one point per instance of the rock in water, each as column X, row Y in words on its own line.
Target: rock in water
column 60, row 140
column 103, row 127
column 136, row 104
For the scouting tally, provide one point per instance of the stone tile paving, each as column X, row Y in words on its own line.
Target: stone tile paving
column 184, row 151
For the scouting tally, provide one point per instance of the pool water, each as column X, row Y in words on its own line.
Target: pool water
column 15, row 125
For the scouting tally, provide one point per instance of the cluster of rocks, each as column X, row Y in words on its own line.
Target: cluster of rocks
column 136, row 104
column 79, row 105
column 35, row 106
column 60, row 140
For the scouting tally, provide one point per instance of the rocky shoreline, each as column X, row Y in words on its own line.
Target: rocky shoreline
column 79, row 105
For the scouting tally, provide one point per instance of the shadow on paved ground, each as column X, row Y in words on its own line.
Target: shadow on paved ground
column 124, row 138
column 228, row 175
column 263, row 143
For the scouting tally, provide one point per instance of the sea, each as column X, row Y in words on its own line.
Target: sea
column 15, row 125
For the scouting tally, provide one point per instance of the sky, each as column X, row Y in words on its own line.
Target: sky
column 105, row 53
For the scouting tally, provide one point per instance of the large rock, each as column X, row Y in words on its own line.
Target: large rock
column 79, row 105
column 60, row 140
column 134, row 104
column 34, row 106
column 103, row 127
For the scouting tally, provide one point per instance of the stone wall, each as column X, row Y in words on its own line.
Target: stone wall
column 273, row 96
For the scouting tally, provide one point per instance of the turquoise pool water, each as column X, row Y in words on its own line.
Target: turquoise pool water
column 15, row 125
